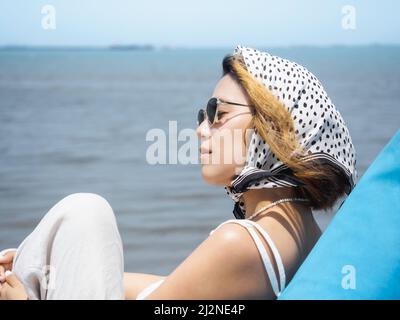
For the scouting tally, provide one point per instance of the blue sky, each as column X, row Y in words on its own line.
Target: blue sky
column 203, row 23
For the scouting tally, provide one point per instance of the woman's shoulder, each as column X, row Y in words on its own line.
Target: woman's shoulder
column 241, row 237
column 229, row 233
column 237, row 228
column 214, row 270
column 226, row 265
column 277, row 236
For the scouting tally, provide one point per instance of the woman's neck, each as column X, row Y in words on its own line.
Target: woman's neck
column 256, row 199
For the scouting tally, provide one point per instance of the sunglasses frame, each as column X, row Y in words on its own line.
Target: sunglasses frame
column 218, row 101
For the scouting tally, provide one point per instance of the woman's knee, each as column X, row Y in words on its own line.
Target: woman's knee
column 87, row 208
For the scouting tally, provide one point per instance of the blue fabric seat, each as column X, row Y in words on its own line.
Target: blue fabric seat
column 358, row 255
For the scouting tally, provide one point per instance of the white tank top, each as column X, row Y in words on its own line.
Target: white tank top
column 249, row 225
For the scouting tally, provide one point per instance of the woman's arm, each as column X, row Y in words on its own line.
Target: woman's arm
column 227, row 265
column 136, row 282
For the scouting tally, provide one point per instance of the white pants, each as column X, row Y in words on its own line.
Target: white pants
column 75, row 252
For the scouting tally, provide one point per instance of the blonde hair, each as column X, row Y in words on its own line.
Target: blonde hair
column 323, row 184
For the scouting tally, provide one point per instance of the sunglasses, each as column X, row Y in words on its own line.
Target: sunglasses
column 211, row 111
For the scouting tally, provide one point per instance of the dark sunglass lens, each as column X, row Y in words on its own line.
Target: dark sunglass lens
column 212, row 109
column 200, row 116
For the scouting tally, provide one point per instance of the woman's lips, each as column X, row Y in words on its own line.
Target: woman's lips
column 205, row 158
column 204, row 155
column 204, row 150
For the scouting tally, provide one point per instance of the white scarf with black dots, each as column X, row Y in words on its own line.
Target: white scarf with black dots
column 319, row 127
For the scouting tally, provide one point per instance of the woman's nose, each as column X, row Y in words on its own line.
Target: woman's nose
column 203, row 130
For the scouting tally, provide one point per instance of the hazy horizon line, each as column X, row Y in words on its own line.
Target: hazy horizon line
column 136, row 46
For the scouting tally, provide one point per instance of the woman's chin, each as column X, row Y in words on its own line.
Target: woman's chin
column 213, row 176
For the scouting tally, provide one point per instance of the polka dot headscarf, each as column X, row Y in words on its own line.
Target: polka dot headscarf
column 319, row 127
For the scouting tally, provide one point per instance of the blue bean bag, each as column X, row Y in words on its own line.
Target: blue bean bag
column 358, row 255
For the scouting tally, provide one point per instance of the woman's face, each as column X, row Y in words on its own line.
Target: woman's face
column 222, row 145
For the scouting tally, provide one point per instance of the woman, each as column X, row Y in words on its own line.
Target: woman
column 293, row 154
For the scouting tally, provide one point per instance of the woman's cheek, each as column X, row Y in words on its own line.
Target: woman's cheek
column 226, row 160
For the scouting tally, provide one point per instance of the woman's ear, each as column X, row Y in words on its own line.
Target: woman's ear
column 247, row 134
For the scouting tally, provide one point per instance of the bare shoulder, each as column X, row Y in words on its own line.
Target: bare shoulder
column 226, row 265
column 228, row 234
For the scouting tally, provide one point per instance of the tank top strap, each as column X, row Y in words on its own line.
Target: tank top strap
column 275, row 252
column 250, row 225
column 149, row 289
